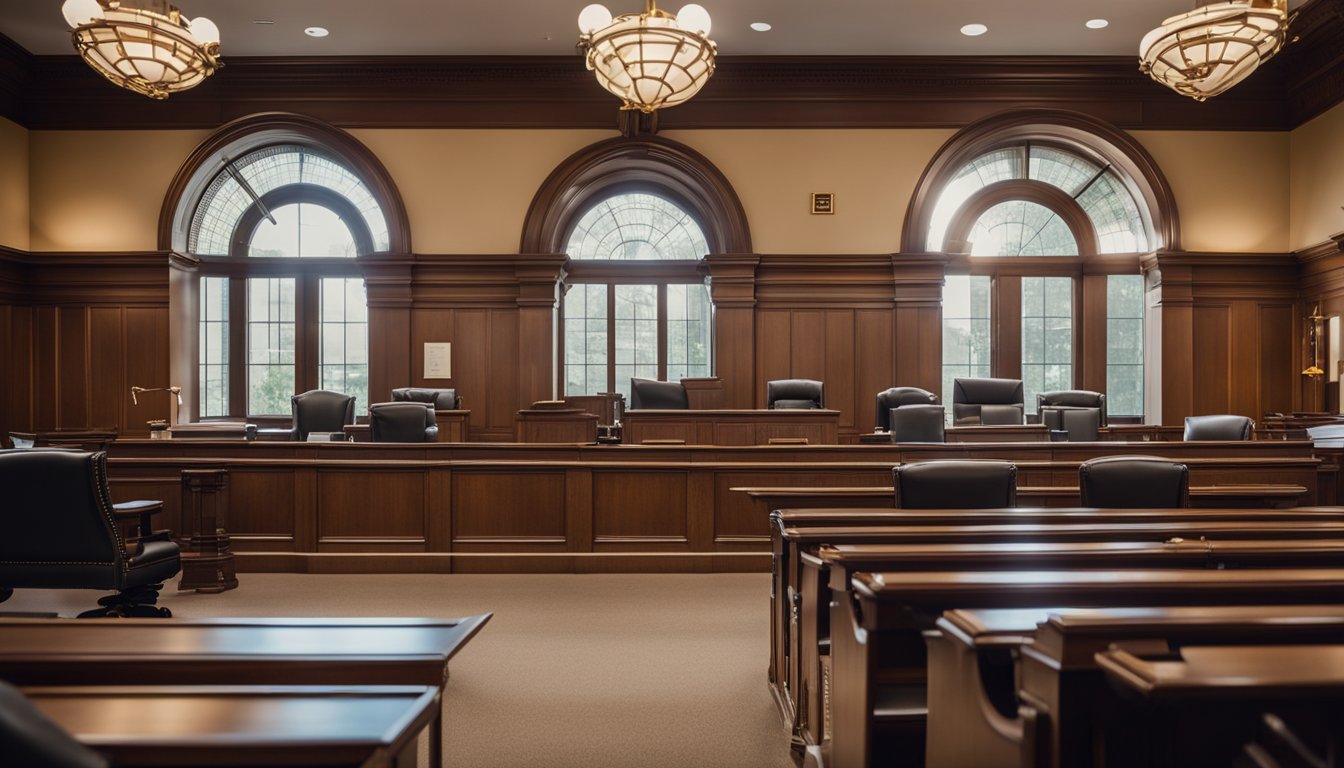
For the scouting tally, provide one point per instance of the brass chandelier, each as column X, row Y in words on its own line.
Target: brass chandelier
column 651, row 59
column 1212, row 48
column 146, row 46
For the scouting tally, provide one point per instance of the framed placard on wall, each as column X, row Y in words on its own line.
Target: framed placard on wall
column 438, row 360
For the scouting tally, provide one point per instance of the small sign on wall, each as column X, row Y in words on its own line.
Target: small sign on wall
column 823, row 203
column 438, row 360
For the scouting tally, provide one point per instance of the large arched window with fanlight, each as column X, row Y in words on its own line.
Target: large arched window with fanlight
column 637, row 304
column 1044, row 225
column 275, row 210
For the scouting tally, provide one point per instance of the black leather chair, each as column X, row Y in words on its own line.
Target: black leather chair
column 403, row 423
column 28, row 738
column 956, row 484
column 794, row 394
column 1221, row 427
column 658, row 395
column 61, row 533
column 917, row 424
column 320, row 410
column 897, row 397
column 439, row 399
column 1072, row 398
column 987, row 401
column 1072, row 424
column 1134, row 482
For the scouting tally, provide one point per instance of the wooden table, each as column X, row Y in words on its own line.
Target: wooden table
column 244, row 725
column 288, row 651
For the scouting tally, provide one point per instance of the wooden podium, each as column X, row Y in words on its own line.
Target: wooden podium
column 207, row 563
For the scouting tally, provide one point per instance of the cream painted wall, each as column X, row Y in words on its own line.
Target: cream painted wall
column 871, row 172
column 467, row 191
column 1231, row 187
column 13, row 185
column 72, row 172
column 1317, row 167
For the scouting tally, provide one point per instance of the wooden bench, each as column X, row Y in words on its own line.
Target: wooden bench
column 1199, row 707
column 875, row 673
column 794, row 533
column 974, row 717
column 237, row 725
column 282, row 651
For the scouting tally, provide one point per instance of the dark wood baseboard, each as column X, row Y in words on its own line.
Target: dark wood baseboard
column 445, row 562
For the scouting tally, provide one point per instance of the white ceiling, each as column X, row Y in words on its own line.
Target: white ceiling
column 547, row 27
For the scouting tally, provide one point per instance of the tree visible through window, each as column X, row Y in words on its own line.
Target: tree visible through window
column 277, row 231
column 624, row 322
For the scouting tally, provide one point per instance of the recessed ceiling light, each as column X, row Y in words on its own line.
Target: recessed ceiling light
column 974, row 30
column 316, row 32
column 1097, row 24
column 760, row 26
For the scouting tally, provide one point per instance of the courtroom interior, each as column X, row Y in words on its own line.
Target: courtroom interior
column 828, row 385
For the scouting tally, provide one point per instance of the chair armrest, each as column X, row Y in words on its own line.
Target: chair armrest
column 142, row 512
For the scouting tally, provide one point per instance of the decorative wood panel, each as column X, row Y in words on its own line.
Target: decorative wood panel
column 490, row 507
column 263, row 506
column 359, row 509
column 647, row 506
column 1209, row 368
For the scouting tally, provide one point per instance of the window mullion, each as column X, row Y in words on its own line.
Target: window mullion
column 238, row 346
column 662, row 332
column 611, row 337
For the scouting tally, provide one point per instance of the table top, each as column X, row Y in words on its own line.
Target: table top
column 1259, row 671
column 239, row 725
column 368, row 651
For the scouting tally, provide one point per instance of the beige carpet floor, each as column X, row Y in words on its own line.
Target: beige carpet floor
column 574, row 670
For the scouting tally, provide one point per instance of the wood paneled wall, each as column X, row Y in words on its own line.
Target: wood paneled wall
column 1229, row 333
column 78, row 330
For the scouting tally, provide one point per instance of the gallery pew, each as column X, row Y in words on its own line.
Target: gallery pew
column 236, row 725
column 1198, row 706
column 873, row 620
column 976, row 658
column 269, row 651
column 795, row 532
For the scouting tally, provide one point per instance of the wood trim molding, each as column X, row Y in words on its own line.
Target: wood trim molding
column 84, row 278
column 61, row 92
column 1314, row 64
column 1088, row 136
column 647, row 163
column 14, row 80
column 265, row 129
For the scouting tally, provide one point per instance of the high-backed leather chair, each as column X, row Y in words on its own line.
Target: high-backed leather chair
column 897, row 397
column 917, row 424
column 60, row 533
column 794, row 393
column 955, row 484
column 29, row 738
column 1134, row 482
column 1221, row 427
column 1071, row 398
column 660, row 395
column 403, row 423
column 320, row 410
column 439, row 399
column 987, row 401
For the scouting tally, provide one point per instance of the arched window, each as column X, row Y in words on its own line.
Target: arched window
column 644, row 323
column 1026, row 205
column 636, row 216
column 276, row 209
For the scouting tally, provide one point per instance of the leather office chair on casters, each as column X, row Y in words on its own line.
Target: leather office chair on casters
column 786, row 394
column 658, row 395
column 910, row 414
column 61, row 533
column 987, row 401
column 955, row 484
column 438, row 399
column 1221, row 427
column 403, row 423
column 320, row 410
column 897, row 397
column 1134, row 482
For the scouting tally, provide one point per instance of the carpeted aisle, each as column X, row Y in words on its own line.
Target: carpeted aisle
column 574, row 670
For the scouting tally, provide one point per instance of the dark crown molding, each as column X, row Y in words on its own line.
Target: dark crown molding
column 60, row 92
